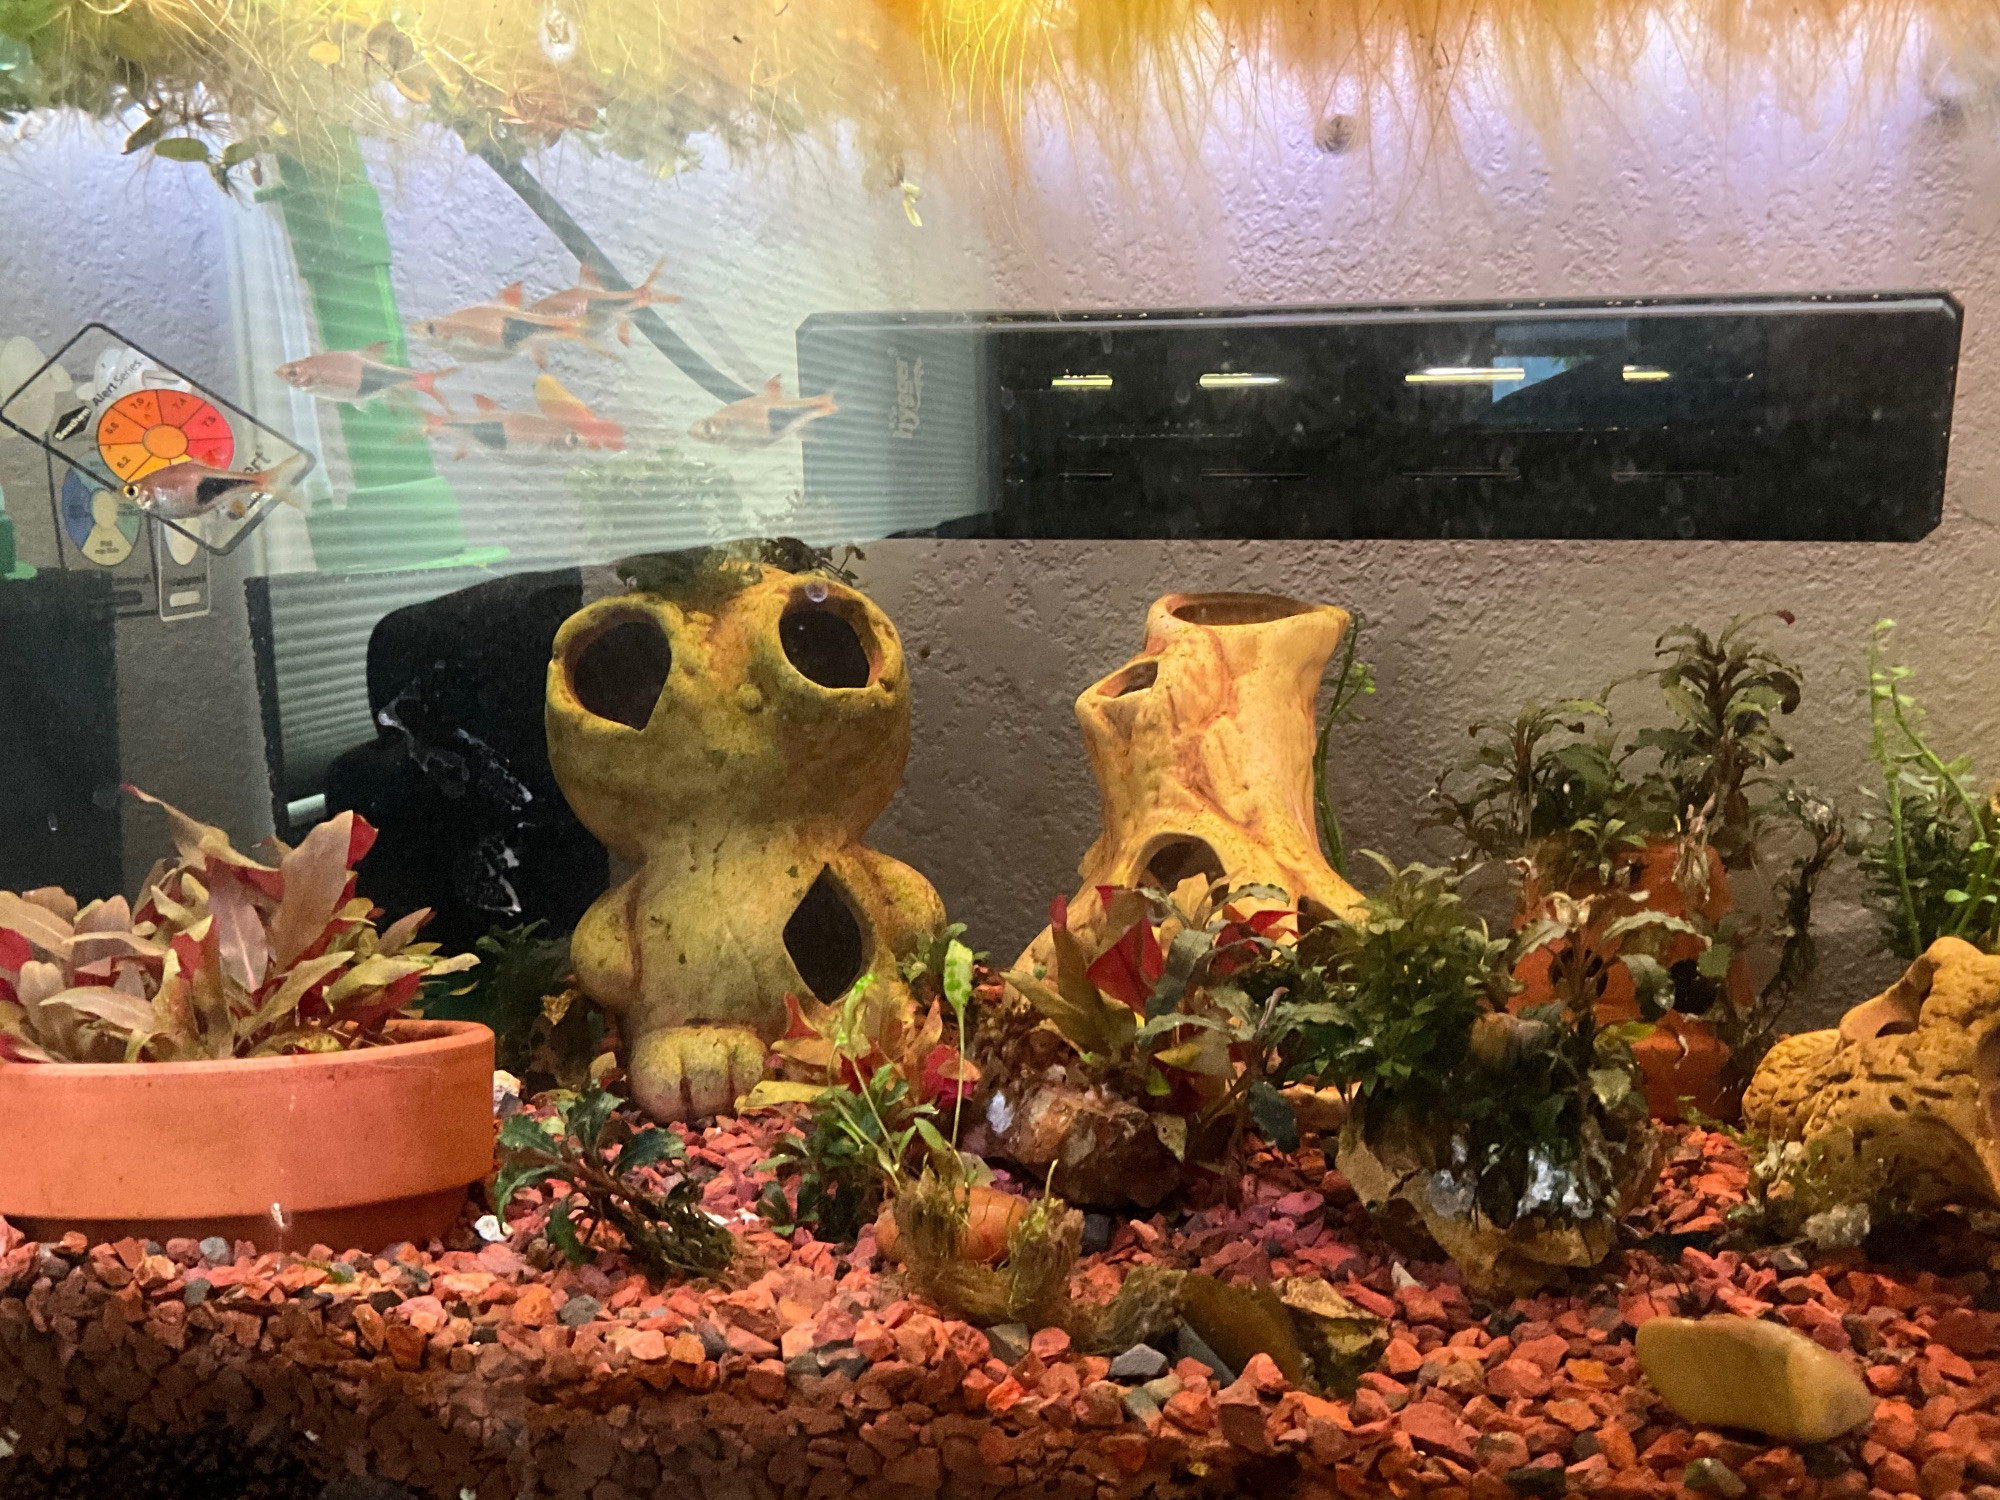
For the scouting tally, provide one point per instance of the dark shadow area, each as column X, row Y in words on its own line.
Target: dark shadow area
column 824, row 939
column 825, row 648
column 619, row 675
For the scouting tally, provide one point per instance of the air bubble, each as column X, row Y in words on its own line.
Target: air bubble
column 816, row 591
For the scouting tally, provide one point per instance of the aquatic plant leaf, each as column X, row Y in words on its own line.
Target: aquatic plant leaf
column 315, row 875
column 510, row 1179
column 40, row 926
column 402, row 930
column 649, row 1148
column 245, row 950
column 114, row 1007
column 770, row 1093
column 196, row 842
column 182, row 148
column 1273, row 1115
column 562, row 1234
column 285, row 999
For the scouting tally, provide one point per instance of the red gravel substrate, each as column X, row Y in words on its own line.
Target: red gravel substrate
column 462, row 1370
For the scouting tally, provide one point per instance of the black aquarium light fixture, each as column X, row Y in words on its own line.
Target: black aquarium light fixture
column 1810, row 417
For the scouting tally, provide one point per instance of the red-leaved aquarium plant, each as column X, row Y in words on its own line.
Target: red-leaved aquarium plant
column 223, row 956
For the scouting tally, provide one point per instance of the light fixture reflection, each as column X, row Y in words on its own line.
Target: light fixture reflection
column 1231, row 380
column 1081, row 383
column 1466, row 375
column 1640, row 374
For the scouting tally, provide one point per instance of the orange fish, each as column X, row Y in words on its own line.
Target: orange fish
column 558, row 405
column 503, row 431
column 760, row 420
column 354, row 376
column 499, row 329
column 602, row 309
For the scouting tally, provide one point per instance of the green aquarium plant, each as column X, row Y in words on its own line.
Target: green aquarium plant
column 614, row 1176
column 1931, row 847
column 1353, row 679
column 876, row 1076
column 1670, row 815
column 544, row 1032
column 1512, row 1142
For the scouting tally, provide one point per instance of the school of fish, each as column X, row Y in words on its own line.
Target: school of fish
column 587, row 315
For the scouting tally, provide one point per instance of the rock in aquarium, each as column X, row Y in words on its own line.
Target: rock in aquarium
column 1744, row 1372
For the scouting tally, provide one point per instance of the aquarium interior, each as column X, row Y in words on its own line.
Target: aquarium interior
column 1144, row 777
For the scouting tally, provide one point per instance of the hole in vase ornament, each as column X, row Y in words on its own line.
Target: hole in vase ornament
column 1133, row 679
column 1181, row 859
column 825, row 648
column 824, row 940
column 619, row 675
column 1236, row 609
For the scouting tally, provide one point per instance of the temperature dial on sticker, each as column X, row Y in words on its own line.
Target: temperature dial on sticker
column 147, row 430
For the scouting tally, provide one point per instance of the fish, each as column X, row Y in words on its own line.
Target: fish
column 492, row 426
column 602, row 309
column 760, row 420
column 558, row 405
column 187, row 490
column 500, row 329
column 355, row 376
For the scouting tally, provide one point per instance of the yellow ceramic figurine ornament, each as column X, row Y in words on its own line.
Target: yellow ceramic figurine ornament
column 733, row 735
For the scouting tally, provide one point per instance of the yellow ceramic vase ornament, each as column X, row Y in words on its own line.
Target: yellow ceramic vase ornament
column 733, row 735
column 1202, row 746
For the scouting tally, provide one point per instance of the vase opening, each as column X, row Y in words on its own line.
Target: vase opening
column 1236, row 609
column 1135, row 678
column 822, row 643
column 824, row 940
column 620, row 673
column 1178, row 859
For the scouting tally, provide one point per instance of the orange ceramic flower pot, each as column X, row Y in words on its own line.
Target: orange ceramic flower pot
column 355, row 1150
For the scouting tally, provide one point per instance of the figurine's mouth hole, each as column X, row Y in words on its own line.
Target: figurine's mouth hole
column 619, row 673
column 1236, row 609
column 1133, row 679
column 825, row 941
column 1180, row 859
column 825, row 645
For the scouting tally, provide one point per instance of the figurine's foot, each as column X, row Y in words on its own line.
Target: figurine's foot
column 687, row 1072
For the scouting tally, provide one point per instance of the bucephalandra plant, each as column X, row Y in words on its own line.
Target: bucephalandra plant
column 222, row 956
column 604, row 1165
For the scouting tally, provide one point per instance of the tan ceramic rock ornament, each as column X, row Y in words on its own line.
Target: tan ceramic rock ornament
column 1905, row 1090
column 1202, row 746
column 734, row 742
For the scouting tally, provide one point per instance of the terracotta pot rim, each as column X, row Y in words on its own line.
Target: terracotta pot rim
column 434, row 1037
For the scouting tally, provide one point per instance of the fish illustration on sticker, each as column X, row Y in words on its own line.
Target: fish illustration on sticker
column 190, row 490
